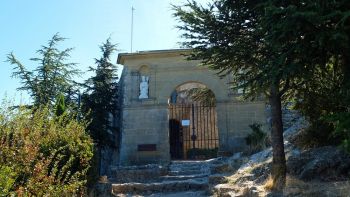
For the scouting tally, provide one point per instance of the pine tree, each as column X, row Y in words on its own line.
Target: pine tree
column 101, row 98
column 228, row 37
column 271, row 47
column 51, row 77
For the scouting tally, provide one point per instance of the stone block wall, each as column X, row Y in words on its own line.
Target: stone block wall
column 144, row 125
column 145, row 121
column 234, row 120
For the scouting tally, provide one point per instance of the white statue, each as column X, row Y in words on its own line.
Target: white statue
column 144, row 87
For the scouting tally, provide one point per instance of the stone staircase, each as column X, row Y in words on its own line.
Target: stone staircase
column 182, row 178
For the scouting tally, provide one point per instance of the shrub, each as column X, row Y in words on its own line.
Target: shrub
column 318, row 134
column 7, row 179
column 44, row 154
column 324, row 101
column 257, row 140
column 341, row 123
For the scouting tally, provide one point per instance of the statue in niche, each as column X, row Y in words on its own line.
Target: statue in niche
column 144, row 87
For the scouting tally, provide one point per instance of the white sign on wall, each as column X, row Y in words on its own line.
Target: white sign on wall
column 185, row 122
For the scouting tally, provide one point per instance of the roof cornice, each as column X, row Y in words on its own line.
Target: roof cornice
column 123, row 56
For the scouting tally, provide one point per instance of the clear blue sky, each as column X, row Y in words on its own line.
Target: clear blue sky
column 26, row 25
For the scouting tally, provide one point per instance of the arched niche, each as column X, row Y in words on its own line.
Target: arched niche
column 217, row 86
column 144, row 70
column 192, row 92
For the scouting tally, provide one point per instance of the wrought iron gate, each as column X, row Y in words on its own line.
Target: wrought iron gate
column 193, row 132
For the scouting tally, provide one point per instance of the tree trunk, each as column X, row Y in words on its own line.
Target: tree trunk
column 279, row 161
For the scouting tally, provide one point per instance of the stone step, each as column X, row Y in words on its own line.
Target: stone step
column 171, row 194
column 192, row 167
column 199, row 170
column 186, row 172
column 182, row 177
column 182, row 194
column 189, row 164
column 188, row 167
column 160, row 187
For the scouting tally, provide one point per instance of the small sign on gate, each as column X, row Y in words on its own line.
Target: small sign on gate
column 185, row 122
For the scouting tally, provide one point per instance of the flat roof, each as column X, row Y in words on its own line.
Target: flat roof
column 122, row 56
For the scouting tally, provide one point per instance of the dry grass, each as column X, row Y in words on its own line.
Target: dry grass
column 316, row 188
column 292, row 181
column 269, row 184
column 103, row 179
column 292, row 184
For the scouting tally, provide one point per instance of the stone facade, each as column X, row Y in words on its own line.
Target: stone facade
column 144, row 122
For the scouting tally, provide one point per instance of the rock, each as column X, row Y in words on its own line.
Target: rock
column 216, row 179
column 236, row 156
column 317, row 188
column 261, row 173
column 250, row 192
column 257, row 158
column 325, row 163
column 236, row 160
column 221, row 168
column 274, row 194
column 223, row 190
column 298, row 125
column 289, row 116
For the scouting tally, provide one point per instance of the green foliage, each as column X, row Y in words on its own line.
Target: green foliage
column 312, row 34
column 222, row 35
column 258, row 139
column 43, row 154
column 7, row 180
column 280, row 48
column 100, row 101
column 60, row 105
column 319, row 98
column 341, row 123
column 51, row 77
column 318, row 134
column 231, row 37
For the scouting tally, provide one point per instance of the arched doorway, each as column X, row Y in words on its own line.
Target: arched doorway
column 193, row 131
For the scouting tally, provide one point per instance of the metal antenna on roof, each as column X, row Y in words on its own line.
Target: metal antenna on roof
column 132, row 26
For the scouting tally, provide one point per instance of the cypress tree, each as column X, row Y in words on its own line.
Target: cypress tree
column 100, row 100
